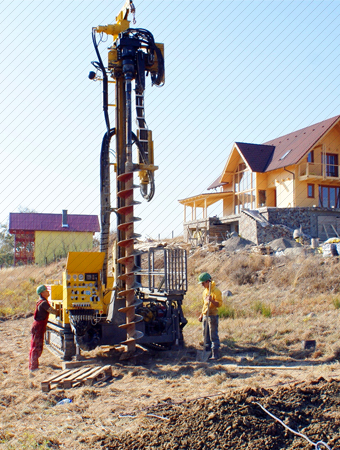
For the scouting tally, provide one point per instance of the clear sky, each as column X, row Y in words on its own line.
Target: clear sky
column 246, row 71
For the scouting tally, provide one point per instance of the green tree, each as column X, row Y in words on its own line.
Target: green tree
column 6, row 246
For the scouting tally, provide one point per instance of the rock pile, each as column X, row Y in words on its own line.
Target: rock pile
column 236, row 243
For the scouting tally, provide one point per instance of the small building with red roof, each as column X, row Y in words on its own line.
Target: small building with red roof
column 42, row 238
column 292, row 180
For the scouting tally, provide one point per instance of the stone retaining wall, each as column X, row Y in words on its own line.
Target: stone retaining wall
column 252, row 230
column 283, row 222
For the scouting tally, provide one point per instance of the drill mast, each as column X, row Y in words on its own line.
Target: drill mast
column 133, row 54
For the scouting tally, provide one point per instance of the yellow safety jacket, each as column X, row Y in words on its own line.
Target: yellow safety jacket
column 216, row 295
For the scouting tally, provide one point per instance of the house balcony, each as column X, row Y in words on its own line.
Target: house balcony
column 314, row 171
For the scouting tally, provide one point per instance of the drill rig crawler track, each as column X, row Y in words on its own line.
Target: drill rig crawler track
column 93, row 308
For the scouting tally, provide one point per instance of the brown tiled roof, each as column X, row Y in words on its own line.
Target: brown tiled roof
column 297, row 144
column 52, row 222
column 282, row 151
column 256, row 155
column 217, row 183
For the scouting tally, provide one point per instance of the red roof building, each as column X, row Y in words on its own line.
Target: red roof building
column 29, row 228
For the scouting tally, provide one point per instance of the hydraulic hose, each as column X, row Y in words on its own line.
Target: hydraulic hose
column 99, row 65
column 143, row 189
column 105, row 199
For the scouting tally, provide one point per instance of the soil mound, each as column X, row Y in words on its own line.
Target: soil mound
column 283, row 243
column 235, row 243
column 237, row 421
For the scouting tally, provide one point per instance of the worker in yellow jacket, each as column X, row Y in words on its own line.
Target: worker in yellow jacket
column 212, row 300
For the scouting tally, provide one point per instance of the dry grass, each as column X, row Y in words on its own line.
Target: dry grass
column 31, row 419
column 18, row 285
column 276, row 302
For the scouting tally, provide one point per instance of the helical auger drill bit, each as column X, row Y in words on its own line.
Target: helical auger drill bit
column 128, row 261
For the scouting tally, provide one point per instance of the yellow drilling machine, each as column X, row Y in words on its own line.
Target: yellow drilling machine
column 142, row 302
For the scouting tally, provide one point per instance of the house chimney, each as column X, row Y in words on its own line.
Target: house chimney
column 64, row 218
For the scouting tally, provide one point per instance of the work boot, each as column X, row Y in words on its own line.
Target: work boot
column 215, row 355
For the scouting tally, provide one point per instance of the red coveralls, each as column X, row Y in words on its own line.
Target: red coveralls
column 37, row 342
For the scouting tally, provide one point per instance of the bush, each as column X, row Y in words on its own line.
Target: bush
column 264, row 310
column 226, row 312
column 246, row 268
column 336, row 303
column 243, row 275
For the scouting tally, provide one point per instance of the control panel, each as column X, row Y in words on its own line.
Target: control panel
column 83, row 290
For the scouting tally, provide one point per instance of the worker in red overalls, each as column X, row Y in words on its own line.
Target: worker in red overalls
column 41, row 313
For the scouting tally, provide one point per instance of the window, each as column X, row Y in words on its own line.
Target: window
column 236, row 211
column 262, row 198
column 329, row 197
column 310, row 157
column 331, row 162
column 286, row 154
column 332, row 165
column 310, row 190
column 244, row 185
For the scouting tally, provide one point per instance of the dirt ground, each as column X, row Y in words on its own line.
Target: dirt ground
column 168, row 400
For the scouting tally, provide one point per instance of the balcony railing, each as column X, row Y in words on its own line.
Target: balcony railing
column 314, row 170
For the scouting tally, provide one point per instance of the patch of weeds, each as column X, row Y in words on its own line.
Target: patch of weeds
column 318, row 354
column 5, row 436
column 262, row 309
column 199, row 373
column 211, row 371
column 26, row 411
column 49, row 403
column 30, row 442
column 91, row 393
column 221, row 377
column 336, row 303
column 226, row 312
column 6, row 311
column 263, row 352
column 191, row 321
column 243, row 275
column 229, row 342
column 193, row 303
column 291, row 341
column 55, row 397
column 283, row 332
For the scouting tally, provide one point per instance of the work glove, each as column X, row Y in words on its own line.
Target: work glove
column 200, row 318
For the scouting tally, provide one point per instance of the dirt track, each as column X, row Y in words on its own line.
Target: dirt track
column 304, row 394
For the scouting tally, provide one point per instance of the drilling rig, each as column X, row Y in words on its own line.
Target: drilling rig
column 142, row 302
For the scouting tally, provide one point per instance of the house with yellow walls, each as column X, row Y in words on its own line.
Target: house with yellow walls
column 268, row 190
column 42, row 238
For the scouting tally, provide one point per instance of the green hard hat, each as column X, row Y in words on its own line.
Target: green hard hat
column 41, row 289
column 203, row 277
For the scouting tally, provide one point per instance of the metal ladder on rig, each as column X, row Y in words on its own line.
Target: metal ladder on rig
column 143, row 129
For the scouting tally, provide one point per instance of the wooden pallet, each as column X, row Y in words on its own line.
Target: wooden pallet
column 73, row 378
